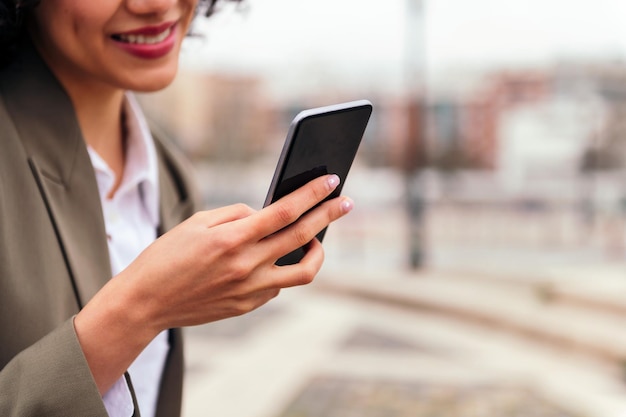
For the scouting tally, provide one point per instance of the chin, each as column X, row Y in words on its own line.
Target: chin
column 152, row 82
column 150, row 87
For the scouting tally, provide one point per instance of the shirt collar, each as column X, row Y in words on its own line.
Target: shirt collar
column 141, row 165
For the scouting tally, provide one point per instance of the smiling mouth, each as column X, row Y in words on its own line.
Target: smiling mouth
column 143, row 39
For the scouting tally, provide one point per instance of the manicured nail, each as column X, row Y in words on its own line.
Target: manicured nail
column 333, row 181
column 347, row 205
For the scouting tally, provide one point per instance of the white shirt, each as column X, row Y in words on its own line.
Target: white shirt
column 131, row 219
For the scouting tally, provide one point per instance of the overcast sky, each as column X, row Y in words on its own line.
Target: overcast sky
column 368, row 37
column 494, row 30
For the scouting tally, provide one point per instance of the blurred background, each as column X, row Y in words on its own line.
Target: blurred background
column 483, row 270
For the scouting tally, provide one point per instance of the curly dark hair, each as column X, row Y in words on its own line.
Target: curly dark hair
column 12, row 29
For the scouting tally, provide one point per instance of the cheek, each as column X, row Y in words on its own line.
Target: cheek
column 87, row 12
column 192, row 4
column 190, row 8
column 65, row 27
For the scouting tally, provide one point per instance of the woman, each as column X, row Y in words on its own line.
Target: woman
column 86, row 188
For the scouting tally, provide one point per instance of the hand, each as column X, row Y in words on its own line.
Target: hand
column 215, row 265
column 220, row 263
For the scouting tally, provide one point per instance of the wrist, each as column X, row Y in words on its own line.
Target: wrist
column 112, row 330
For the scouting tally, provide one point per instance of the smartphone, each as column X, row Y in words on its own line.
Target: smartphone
column 320, row 141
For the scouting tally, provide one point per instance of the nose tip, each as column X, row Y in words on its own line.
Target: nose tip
column 150, row 6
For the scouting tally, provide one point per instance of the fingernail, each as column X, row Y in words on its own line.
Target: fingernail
column 333, row 181
column 347, row 205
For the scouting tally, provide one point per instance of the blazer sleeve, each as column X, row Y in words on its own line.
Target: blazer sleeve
column 51, row 378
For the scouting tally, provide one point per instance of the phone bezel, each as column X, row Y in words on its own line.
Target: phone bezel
column 293, row 131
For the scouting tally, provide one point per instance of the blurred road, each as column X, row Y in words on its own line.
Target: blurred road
column 515, row 314
column 408, row 344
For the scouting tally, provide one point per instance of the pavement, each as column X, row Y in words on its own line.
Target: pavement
column 575, row 309
column 535, row 329
column 447, row 341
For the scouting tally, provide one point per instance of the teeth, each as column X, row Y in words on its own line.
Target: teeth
column 145, row 39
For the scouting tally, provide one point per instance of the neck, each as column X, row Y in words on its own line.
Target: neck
column 100, row 119
column 101, row 122
column 99, row 112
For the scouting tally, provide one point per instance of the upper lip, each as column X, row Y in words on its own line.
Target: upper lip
column 149, row 30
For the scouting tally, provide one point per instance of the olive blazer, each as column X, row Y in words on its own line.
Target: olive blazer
column 53, row 248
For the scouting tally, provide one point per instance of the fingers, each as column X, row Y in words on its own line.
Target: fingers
column 302, row 273
column 307, row 227
column 298, row 234
column 211, row 218
column 289, row 208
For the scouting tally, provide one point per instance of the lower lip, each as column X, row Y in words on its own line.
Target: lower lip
column 150, row 51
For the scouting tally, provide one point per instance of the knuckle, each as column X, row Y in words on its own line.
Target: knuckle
column 306, row 276
column 286, row 213
column 240, row 271
column 319, row 193
column 247, row 303
column 241, row 307
column 224, row 243
column 243, row 210
column 197, row 217
column 302, row 235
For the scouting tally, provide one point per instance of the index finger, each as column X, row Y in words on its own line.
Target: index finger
column 291, row 207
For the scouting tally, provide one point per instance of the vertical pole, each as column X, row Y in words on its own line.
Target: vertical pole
column 415, row 142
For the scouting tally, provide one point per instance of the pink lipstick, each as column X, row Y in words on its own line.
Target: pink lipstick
column 150, row 42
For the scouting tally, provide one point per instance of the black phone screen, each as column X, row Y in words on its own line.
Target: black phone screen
column 320, row 141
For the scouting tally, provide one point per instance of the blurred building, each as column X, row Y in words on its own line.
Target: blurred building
column 214, row 115
column 464, row 127
column 521, row 125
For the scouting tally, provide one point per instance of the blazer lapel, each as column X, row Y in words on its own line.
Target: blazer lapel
column 44, row 117
column 46, row 122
